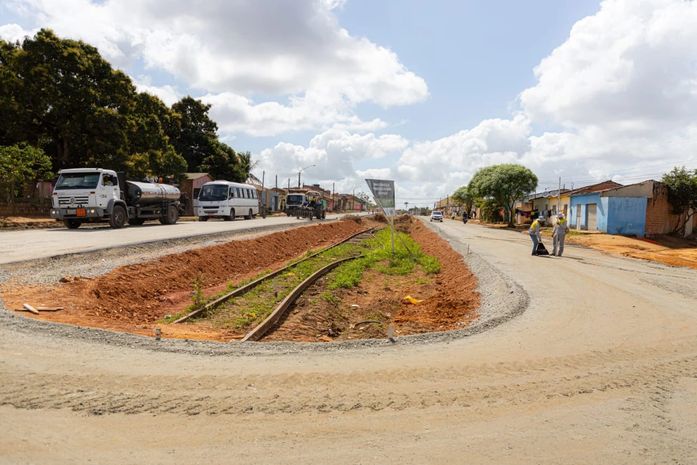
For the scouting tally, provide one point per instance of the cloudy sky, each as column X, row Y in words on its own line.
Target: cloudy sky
column 424, row 93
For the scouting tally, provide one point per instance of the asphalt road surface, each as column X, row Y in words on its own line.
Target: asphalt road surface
column 600, row 368
column 42, row 243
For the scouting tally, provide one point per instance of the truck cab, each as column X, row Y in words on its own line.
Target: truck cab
column 84, row 195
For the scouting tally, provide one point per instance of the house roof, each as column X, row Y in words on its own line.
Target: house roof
column 599, row 187
column 545, row 194
column 631, row 188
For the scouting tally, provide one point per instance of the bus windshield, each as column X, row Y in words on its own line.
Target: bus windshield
column 213, row 192
column 77, row 181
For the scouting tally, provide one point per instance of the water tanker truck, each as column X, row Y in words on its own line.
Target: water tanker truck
column 93, row 195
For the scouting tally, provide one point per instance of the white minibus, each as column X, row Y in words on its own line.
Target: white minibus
column 228, row 200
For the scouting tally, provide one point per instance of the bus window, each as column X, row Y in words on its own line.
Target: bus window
column 231, row 195
column 254, row 194
column 239, row 194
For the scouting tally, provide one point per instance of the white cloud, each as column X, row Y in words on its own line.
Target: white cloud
column 167, row 93
column 334, row 154
column 244, row 56
column 633, row 65
column 14, row 32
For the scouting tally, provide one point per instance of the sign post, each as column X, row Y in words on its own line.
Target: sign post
column 384, row 195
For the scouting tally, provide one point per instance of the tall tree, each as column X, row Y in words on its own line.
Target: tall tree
column 225, row 163
column 504, row 183
column 195, row 137
column 682, row 194
column 20, row 164
column 75, row 103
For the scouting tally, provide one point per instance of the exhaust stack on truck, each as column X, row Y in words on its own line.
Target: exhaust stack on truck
column 92, row 195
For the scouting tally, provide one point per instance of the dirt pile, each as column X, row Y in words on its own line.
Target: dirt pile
column 137, row 295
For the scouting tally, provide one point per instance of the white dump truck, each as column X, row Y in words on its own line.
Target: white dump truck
column 91, row 195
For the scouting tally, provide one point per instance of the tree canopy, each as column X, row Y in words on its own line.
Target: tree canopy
column 61, row 96
column 682, row 193
column 503, row 183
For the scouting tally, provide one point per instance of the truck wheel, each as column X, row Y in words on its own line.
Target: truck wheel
column 249, row 217
column 232, row 215
column 136, row 221
column 171, row 216
column 118, row 217
column 72, row 224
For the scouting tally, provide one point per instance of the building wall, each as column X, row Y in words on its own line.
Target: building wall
column 625, row 215
column 581, row 202
column 659, row 212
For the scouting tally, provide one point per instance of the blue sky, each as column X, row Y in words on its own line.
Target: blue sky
column 421, row 92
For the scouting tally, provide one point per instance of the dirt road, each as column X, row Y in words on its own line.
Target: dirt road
column 600, row 368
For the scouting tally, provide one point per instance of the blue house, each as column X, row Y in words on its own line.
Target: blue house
column 586, row 210
column 614, row 210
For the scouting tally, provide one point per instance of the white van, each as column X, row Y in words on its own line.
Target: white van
column 228, row 200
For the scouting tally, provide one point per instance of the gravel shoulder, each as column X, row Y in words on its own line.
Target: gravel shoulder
column 599, row 368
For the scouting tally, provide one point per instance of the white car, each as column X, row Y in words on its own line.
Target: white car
column 437, row 216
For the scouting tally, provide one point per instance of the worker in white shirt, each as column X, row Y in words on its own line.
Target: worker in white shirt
column 559, row 234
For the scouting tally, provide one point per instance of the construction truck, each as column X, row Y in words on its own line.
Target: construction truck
column 93, row 195
column 310, row 207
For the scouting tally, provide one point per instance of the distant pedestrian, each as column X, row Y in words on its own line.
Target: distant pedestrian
column 535, row 233
column 559, row 234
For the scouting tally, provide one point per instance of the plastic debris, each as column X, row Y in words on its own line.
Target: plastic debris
column 411, row 300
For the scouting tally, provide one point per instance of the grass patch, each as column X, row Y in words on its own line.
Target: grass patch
column 408, row 255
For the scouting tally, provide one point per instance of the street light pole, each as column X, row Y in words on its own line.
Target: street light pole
column 301, row 170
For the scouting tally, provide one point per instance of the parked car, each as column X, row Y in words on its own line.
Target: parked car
column 437, row 216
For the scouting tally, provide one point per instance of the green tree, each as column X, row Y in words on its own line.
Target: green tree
column 195, row 136
column 463, row 196
column 503, row 183
column 74, row 103
column 20, row 164
column 225, row 163
column 682, row 194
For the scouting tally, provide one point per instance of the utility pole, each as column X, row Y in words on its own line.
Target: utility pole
column 559, row 197
column 333, row 199
column 276, row 184
column 299, row 178
column 263, row 195
column 288, row 183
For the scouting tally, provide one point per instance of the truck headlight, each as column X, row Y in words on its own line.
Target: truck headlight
column 93, row 211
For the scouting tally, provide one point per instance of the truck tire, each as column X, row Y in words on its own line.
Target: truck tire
column 72, row 224
column 118, row 217
column 231, row 216
column 249, row 217
column 136, row 221
column 171, row 215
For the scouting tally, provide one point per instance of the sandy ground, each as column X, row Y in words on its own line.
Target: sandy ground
column 601, row 368
column 667, row 250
